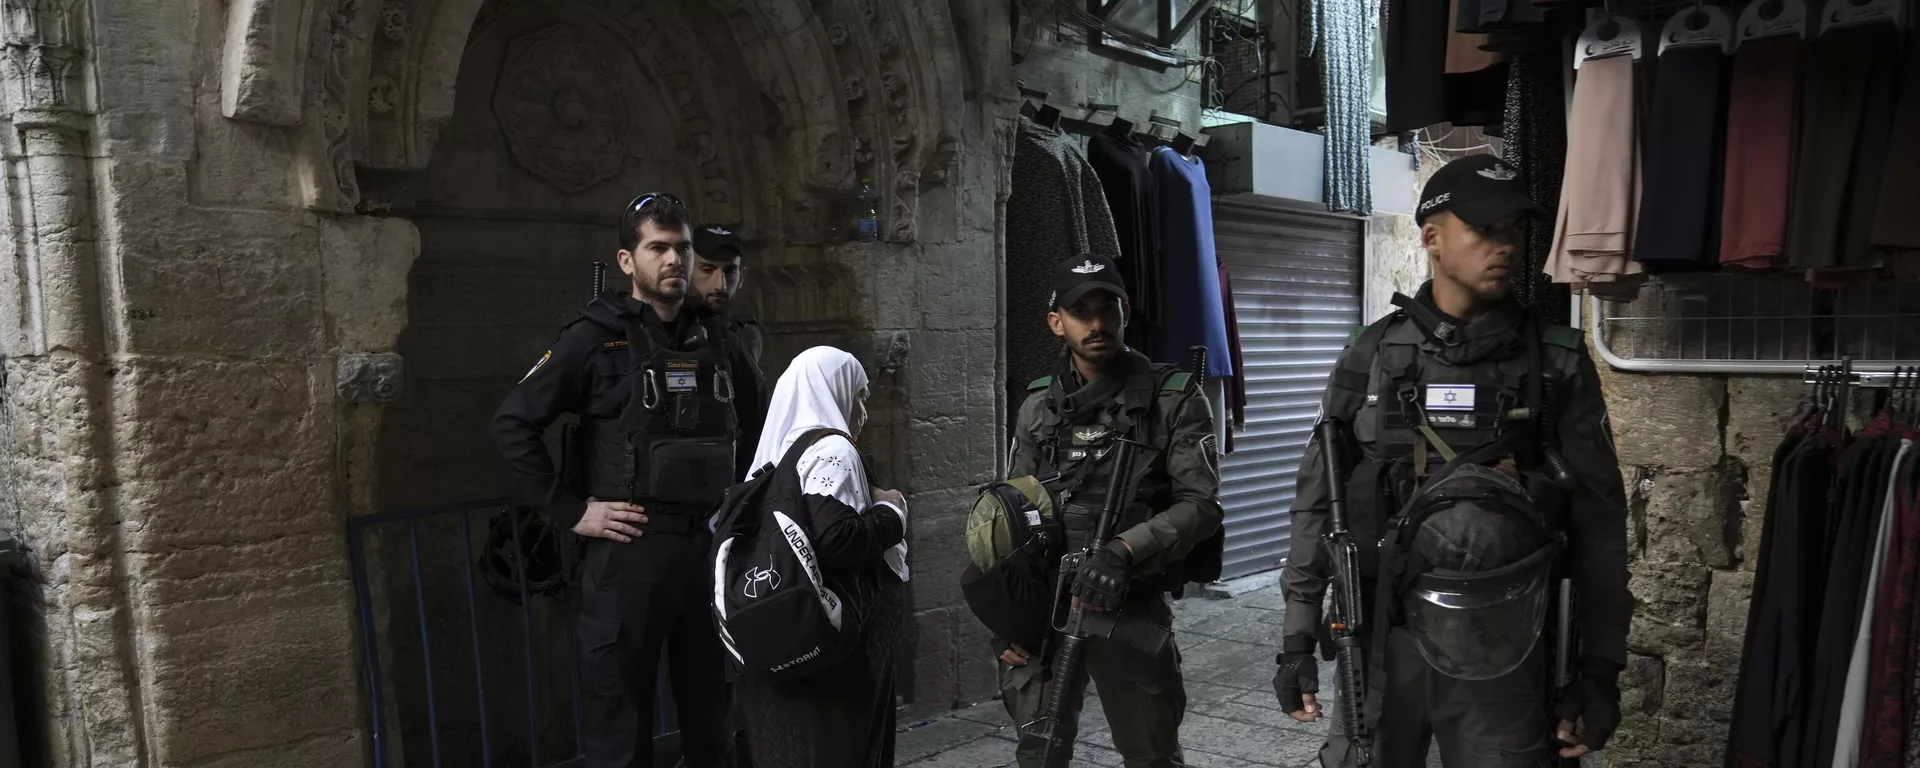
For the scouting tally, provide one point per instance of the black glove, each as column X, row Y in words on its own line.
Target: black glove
column 1102, row 580
column 1592, row 703
column 1298, row 675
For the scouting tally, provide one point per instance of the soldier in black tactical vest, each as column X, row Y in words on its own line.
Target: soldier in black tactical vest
column 1458, row 565
column 1169, row 525
column 664, row 392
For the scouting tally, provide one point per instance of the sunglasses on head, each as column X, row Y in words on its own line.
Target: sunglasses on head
column 651, row 199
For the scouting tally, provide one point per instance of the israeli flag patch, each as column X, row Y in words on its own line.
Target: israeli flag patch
column 1450, row 397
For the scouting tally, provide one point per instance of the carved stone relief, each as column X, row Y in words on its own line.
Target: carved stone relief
column 328, row 172
column 560, row 108
column 263, row 64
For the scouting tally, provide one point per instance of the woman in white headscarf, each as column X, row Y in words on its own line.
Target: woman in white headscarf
column 842, row 717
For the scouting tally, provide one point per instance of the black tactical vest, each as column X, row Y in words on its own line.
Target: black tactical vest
column 666, row 438
column 1077, row 455
column 1417, row 396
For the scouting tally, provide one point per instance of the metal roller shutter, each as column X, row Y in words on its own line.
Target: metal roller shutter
column 1296, row 293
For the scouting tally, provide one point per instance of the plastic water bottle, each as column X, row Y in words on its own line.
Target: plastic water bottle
column 867, row 213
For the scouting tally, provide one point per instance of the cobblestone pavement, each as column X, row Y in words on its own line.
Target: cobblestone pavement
column 1227, row 648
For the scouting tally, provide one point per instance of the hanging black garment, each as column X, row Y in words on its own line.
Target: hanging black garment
column 1121, row 164
column 1536, row 143
column 1416, row 53
column 1865, row 467
column 1769, row 710
column 1679, row 224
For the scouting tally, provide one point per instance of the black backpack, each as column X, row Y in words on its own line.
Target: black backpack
column 774, row 609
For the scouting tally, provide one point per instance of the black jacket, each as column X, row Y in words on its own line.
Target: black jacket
column 577, row 375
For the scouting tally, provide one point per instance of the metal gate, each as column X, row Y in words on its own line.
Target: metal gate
column 1296, row 292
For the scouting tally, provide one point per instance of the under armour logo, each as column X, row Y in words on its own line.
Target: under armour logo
column 757, row 576
column 1089, row 268
column 1499, row 172
column 720, row 230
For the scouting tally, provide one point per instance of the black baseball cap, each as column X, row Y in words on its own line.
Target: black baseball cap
column 1480, row 189
column 711, row 241
column 1084, row 274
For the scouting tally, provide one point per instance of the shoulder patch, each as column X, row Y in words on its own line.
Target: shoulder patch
column 536, row 367
column 1563, row 336
column 1355, row 336
column 1040, row 384
column 1180, row 381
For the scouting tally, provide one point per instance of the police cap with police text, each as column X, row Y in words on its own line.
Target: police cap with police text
column 1074, row 278
column 1481, row 190
column 713, row 241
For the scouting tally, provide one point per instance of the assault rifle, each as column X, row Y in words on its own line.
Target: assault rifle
column 1083, row 624
column 1347, row 618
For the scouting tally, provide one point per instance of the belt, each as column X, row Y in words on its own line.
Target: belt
column 676, row 523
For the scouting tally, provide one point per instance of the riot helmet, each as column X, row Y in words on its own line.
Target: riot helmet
column 1476, row 609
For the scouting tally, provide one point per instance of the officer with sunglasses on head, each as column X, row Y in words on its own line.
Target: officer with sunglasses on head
column 664, row 392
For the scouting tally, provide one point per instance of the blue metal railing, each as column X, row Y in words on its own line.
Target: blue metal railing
column 370, row 633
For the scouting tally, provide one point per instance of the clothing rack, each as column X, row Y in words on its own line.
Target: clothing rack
column 1097, row 118
column 1829, row 374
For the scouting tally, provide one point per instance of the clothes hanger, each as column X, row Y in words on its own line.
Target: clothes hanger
column 1120, row 128
column 1606, row 36
column 1183, row 144
column 1699, row 26
column 1842, row 14
column 1763, row 19
column 1048, row 115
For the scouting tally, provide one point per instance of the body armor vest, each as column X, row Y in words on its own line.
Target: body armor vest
column 1077, row 456
column 669, row 443
column 1419, row 399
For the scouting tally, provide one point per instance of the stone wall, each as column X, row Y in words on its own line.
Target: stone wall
column 1695, row 453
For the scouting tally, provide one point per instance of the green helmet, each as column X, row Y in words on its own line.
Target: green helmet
column 1013, row 544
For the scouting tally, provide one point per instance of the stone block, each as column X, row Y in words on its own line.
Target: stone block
column 223, row 453
column 1758, row 411
column 938, row 553
column 949, row 452
column 1687, row 517
column 934, row 675
column 1672, row 607
column 365, row 261
column 953, row 294
column 976, row 674
column 221, row 284
column 941, row 377
column 1664, row 421
column 1698, row 700
column 285, row 657
column 1753, row 514
column 1728, row 599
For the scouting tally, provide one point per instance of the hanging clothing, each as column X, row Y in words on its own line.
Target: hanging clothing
column 1895, row 226
column 1679, row 218
column 1416, row 53
column 1056, row 210
column 1536, row 131
column 1853, row 704
column 1769, row 705
column 1476, row 79
column 1863, row 481
column 1121, row 163
column 1235, row 400
column 1762, row 109
column 842, row 716
column 1600, row 195
column 1190, row 271
column 1888, row 709
column 1847, row 102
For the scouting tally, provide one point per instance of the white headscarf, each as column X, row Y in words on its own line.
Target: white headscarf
column 818, row 391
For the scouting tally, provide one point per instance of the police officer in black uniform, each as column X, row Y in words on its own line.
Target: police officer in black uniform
column 664, row 393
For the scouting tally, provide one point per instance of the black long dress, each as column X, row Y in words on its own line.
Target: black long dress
column 842, row 717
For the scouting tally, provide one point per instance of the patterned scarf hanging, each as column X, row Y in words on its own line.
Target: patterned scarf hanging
column 1536, row 143
column 1342, row 32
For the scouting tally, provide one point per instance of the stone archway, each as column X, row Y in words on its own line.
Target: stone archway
column 214, row 262
column 761, row 112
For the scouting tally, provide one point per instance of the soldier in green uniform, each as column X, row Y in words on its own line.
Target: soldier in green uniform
column 1461, row 370
column 1066, row 426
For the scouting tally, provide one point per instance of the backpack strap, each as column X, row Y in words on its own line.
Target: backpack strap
column 790, row 463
